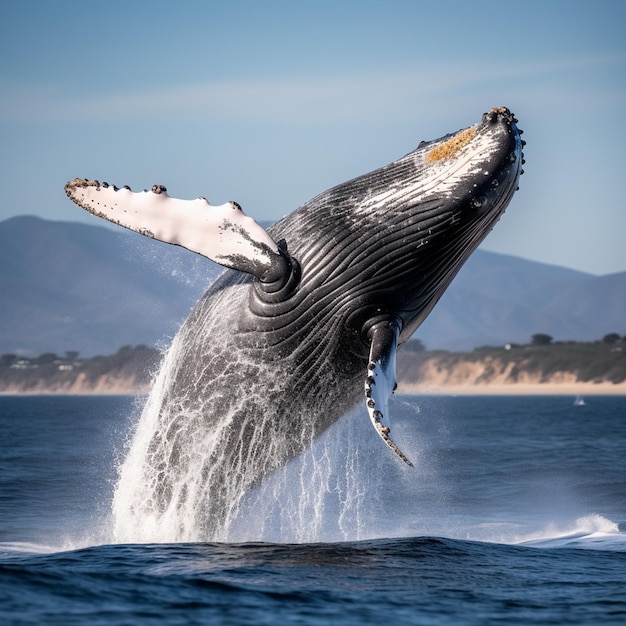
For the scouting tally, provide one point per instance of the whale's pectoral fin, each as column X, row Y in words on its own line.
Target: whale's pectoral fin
column 222, row 233
column 381, row 379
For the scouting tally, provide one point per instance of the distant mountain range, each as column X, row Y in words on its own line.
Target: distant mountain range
column 69, row 286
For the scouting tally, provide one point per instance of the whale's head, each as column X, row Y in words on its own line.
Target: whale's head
column 408, row 227
column 451, row 192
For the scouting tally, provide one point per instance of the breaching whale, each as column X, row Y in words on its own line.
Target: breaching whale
column 306, row 320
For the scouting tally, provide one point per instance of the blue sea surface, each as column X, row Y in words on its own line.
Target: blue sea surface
column 515, row 513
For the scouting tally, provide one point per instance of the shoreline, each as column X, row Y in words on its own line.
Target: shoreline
column 516, row 389
column 417, row 389
column 113, row 391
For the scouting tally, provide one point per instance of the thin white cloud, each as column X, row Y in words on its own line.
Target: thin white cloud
column 297, row 100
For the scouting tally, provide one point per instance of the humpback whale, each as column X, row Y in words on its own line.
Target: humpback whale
column 305, row 321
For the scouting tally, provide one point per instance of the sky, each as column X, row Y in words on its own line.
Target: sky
column 270, row 103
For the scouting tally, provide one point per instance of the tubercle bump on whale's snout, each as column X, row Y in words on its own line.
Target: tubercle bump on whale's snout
column 505, row 115
column 499, row 114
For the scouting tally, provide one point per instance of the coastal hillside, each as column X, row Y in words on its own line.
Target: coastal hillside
column 130, row 370
column 600, row 365
column 89, row 288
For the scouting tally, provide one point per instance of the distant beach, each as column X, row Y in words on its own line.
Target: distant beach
column 513, row 389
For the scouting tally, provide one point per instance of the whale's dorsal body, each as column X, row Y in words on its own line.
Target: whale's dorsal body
column 314, row 309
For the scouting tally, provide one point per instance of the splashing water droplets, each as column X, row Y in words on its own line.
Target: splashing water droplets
column 185, row 478
column 208, row 450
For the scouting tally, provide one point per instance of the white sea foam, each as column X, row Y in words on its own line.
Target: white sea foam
column 590, row 531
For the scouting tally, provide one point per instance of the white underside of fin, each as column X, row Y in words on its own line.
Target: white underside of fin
column 221, row 233
column 380, row 384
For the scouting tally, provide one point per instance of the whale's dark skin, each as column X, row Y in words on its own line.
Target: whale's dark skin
column 273, row 355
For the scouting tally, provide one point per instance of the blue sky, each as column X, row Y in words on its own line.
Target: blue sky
column 270, row 103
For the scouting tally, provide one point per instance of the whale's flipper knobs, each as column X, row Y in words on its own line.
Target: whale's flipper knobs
column 222, row 233
column 381, row 379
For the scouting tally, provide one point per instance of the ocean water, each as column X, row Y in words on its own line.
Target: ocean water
column 515, row 513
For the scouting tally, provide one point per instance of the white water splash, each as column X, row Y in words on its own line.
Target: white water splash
column 179, row 454
column 585, row 532
column 186, row 473
column 133, row 519
column 320, row 496
column 330, row 492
